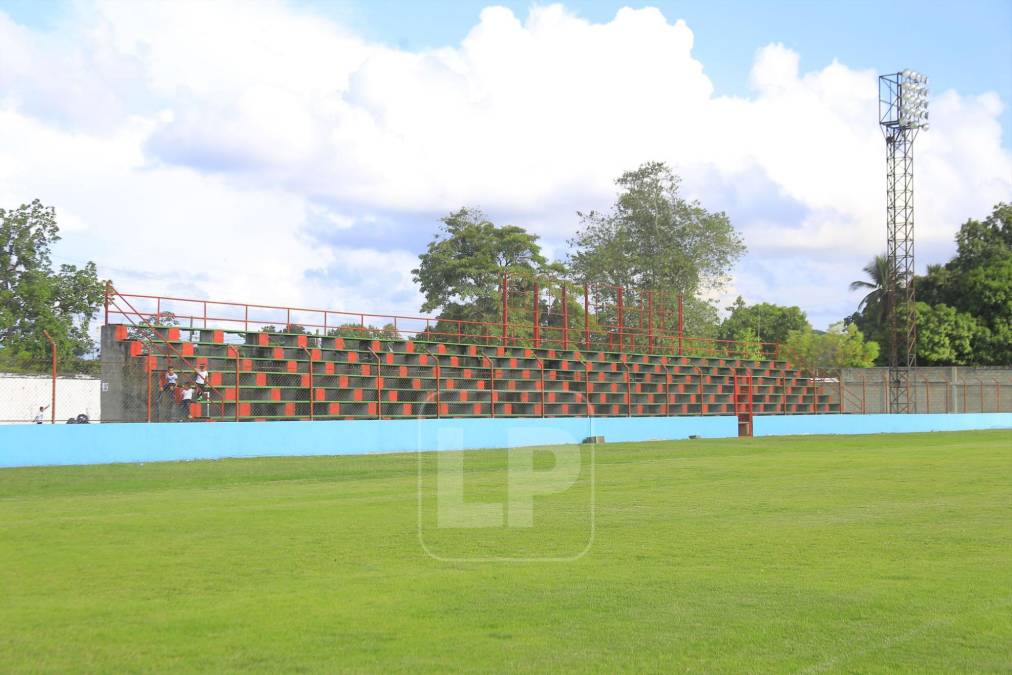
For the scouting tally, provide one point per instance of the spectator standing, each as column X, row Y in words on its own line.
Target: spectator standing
column 201, row 379
column 187, row 399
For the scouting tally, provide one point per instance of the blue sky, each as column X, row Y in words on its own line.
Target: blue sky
column 309, row 148
column 966, row 45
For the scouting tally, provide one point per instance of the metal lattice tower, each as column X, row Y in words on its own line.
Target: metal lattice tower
column 903, row 111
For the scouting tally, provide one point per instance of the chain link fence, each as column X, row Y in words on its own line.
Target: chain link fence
column 39, row 398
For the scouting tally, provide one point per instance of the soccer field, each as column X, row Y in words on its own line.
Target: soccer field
column 808, row 554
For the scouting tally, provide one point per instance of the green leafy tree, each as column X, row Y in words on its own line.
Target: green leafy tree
column 976, row 282
column 654, row 239
column 944, row 335
column 873, row 302
column 35, row 298
column 460, row 272
column 767, row 322
column 748, row 345
column 839, row 347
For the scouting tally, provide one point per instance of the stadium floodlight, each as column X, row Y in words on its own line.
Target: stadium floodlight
column 903, row 111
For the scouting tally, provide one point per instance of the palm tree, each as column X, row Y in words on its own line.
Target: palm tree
column 878, row 273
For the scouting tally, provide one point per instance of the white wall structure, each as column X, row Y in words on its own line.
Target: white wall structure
column 21, row 396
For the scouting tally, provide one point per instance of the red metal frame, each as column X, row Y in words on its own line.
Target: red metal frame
column 112, row 294
column 645, row 338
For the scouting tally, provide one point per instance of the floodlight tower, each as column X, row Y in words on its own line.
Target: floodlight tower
column 903, row 111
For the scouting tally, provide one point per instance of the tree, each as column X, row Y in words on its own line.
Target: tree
column 767, row 322
column 878, row 274
column 653, row 239
column 944, row 336
column 461, row 271
column 35, row 298
column 839, row 347
column 976, row 283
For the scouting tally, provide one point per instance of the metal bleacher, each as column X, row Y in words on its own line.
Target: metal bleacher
column 257, row 375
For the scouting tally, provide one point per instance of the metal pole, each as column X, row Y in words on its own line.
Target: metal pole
column 628, row 390
column 681, row 325
column 565, row 318
column 699, row 383
column 108, row 287
column 435, row 359
column 541, row 368
column 379, row 385
column 667, row 390
column 650, row 321
column 621, row 318
column 505, row 289
column 312, row 392
column 491, row 376
column 52, row 393
column 586, row 318
column 237, row 384
column 864, row 394
column 537, row 325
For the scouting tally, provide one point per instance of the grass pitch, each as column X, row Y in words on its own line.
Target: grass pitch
column 804, row 554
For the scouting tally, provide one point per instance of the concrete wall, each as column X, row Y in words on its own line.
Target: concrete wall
column 932, row 390
column 31, row 445
column 141, row 442
column 21, row 396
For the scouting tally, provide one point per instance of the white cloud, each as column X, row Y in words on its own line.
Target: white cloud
column 249, row 150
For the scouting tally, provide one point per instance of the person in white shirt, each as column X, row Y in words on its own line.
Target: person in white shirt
column 201, row 380
column 187, row 399
column 38, row 418
column 171, row 377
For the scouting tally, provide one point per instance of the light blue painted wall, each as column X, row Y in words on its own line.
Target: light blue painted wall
column 792, row 425
column 37, row 445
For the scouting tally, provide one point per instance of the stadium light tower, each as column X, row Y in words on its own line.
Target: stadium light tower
column 903, row 111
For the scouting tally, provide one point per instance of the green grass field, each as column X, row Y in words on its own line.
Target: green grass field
column 810, row 554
